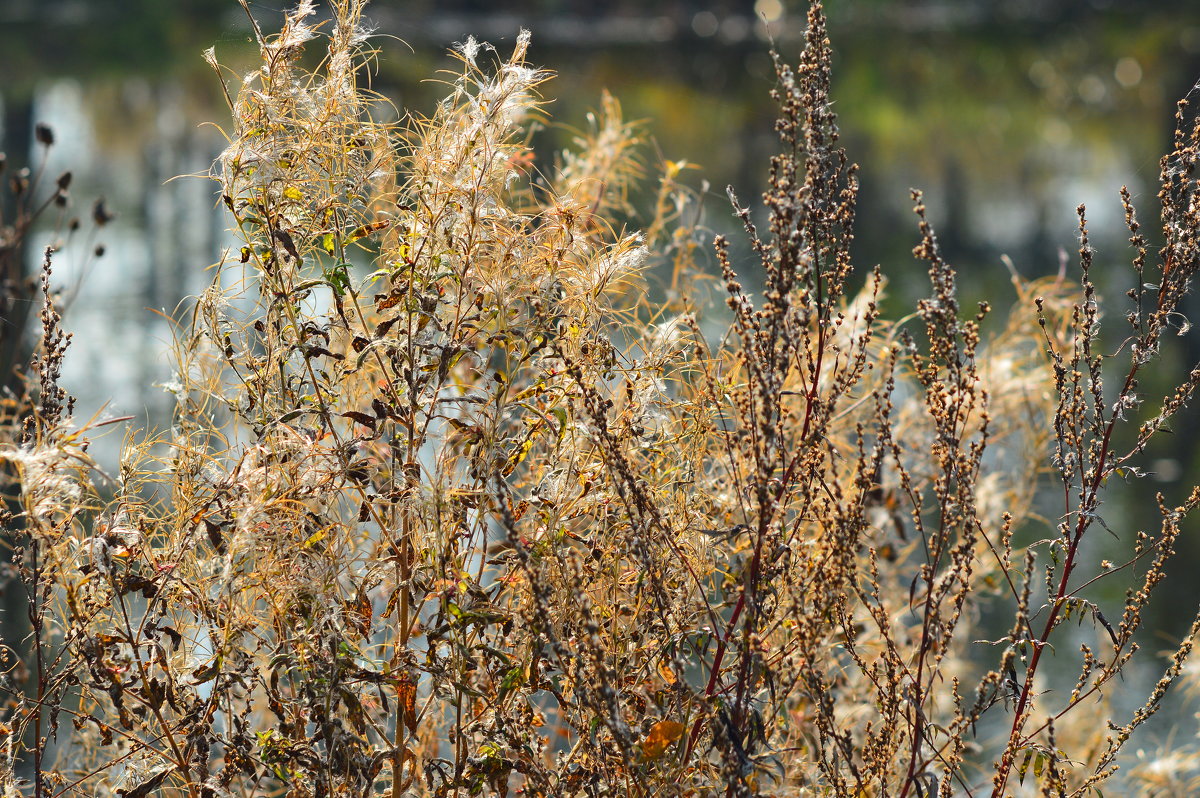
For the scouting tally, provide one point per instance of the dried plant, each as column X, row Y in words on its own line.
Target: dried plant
column 479, row 519
column 26, row 205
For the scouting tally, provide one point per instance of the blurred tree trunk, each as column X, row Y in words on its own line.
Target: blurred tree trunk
column 16, row 303
column 16, row 286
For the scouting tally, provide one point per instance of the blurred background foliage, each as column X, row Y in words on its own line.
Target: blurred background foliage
column 1007, row 113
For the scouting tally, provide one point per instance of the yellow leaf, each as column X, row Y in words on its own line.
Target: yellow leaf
column 660, row 738
column 293, row 193
column 517, row 456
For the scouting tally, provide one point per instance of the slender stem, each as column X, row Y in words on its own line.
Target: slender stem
column 1088, row 499
column 35, row 618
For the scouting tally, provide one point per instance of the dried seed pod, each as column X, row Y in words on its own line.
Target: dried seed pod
column 44, row 134
column 101, row 214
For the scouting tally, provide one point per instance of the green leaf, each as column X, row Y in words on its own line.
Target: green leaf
column 338, row 278
column 512, row 680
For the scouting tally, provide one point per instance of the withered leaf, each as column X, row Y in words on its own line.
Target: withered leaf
column 387, row 301
column 130, row 583
column 660, row 738
column 155, row 693
column 320, row 351
column 664, row 670
column 361, row 418
column 215, row 537
column 289, row 245
column 406, row 695
column 176, row 638
column 358, row 613
column 385, row 325
column 354, row 710
column 147, row 786
column 206, row 673
column 366, row 229
column 392, row 601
